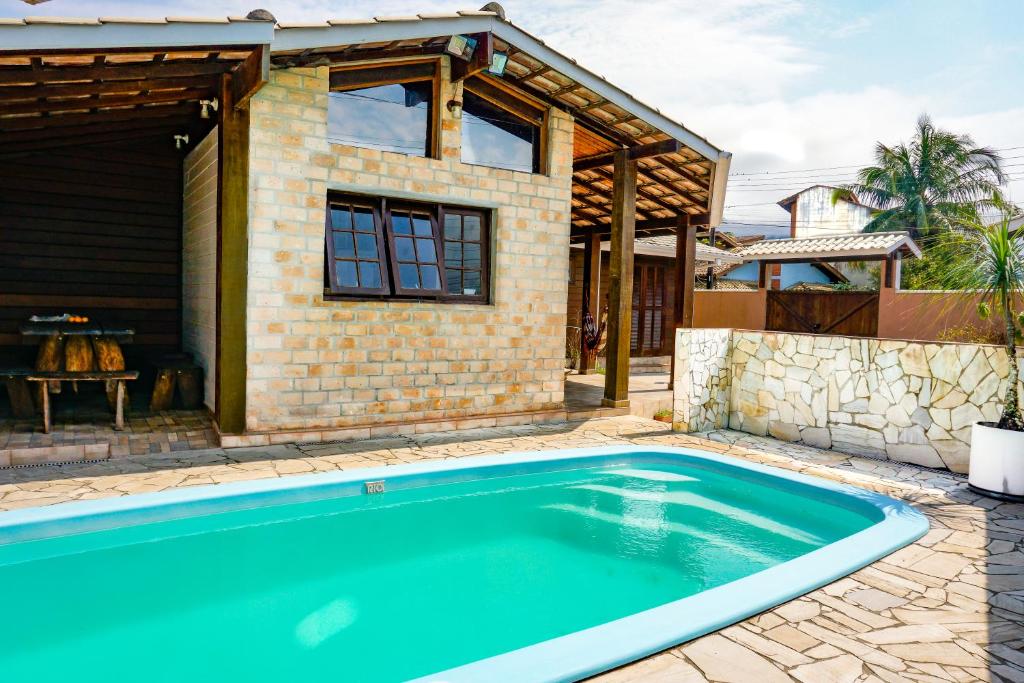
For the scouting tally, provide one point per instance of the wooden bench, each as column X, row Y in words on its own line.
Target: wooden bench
column 118, row 376
column 22, row 404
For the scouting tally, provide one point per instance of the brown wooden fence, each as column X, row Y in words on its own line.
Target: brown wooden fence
column 841, row 313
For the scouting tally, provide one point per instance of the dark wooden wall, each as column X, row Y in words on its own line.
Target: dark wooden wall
column 94, row 231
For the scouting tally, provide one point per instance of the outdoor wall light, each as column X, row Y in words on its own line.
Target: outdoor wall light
column 206, row 106
column 498, row 62
column 461, row 47
column 180, row 141
column 455, row 107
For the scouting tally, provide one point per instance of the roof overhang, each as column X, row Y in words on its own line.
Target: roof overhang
column 64, row 33
column 875, row 246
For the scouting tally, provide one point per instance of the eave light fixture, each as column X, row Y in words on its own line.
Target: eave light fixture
column 498, row 62
column 461, row 47
column 180, row 141
column 206, row 106
column 455, row 107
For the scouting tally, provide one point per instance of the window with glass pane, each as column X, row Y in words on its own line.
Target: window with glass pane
column 354, row 249
column 414, row 250
column 464, row 252
column 492, row 136
column 393, row 118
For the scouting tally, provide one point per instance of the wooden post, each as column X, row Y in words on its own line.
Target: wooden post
column 46, row 407
column 762, row 275
column 232, row 260
column 119, row 411
column 620, row 314
column 591, row 290
column 686, row 251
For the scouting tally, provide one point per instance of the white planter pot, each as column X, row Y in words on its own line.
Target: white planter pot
column 997, row 461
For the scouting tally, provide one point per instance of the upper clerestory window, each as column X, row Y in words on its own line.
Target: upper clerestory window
column 501, row 129
column 390, row 108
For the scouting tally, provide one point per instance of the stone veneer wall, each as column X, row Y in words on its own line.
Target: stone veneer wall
column 702, row 380
column 199, row 261
column 906, row 401
column 315, row 365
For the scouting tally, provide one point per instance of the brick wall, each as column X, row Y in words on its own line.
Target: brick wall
column 199, row 260
column 316, row 365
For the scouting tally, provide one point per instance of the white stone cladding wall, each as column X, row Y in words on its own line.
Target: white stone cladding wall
column 199, row 261
column 315, row 364
column 906, row 401
column 702, row 380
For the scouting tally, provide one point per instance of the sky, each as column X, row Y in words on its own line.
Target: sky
column 799, row 91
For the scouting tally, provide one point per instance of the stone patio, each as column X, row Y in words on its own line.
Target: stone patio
column 947, row 608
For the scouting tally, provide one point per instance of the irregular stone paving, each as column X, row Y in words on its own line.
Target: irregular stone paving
column 947, row 608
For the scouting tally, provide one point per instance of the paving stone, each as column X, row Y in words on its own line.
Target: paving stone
column 720, row 659
column 874, row 599
column 841, row 669
column 918, row 633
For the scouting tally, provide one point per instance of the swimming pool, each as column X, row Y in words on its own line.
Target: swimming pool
column 527, row 567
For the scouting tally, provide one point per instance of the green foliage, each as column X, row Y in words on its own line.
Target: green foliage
column 984, row 310
column 993, row 263
column 972, row 334
column 938, row 180
column 664, row 412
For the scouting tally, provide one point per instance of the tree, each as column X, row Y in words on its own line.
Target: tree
column 937, row 181
column 993, row 263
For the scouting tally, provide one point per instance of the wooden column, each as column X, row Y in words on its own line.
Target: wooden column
column 620, row 314
column 591, row 287
column 232, row 259
column 686, row 252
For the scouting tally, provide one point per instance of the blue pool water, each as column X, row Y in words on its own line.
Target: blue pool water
column 486, row 567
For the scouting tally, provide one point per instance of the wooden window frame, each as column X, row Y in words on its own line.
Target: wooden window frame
column 485, row 250
column 525, row 108
column 331, row 285
column 431, row 211
column 359, row 76
column 392, row 289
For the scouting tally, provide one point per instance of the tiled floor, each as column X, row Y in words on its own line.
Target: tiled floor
column 647, row 394
column 947, row 608
column 83, row 429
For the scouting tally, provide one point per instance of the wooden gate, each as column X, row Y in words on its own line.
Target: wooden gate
column 647, row 336
column 844, row 313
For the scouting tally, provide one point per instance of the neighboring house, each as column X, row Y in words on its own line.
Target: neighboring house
column 813, row 213
column 375, row 224
column 654, row 276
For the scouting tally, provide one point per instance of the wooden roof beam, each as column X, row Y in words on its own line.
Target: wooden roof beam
column 92, row 103
column 106, row 72
column 251, row 75
column 107, row 88
column 654, row 149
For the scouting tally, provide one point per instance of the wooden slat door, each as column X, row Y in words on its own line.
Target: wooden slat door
column 649, row 310
column 841, row 313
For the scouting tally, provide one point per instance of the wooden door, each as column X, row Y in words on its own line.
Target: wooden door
column 647, row 337
column 841, row 313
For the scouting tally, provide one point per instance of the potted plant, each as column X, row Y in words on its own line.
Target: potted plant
column 995, row 267
column 663, row 415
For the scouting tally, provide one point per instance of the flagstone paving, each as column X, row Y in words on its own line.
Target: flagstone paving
column 947, row 608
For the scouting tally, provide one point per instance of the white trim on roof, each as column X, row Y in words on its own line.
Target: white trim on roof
column 58, row 33
column 406, row 28
column 836, row 247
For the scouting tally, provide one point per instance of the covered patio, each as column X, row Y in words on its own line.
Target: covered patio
column 111, row 252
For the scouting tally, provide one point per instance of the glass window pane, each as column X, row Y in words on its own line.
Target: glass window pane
column 493, row 137
column 340, row 218
column 472, row 232
column 347, row 273
column 400, row 223
column 454, row 278
column 343, row 245
column 421, row 226
column 364, row 220
column 471, row 282
column 453, row 226
column 471, row 255
column 393, row 118
column 404, row 249
column 408, row 277
column 453, row 253
column 425, row 251
column 367, row 246
column 369, row 274
column 431, row 277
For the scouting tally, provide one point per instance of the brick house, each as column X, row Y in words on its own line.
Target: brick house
column 376, row 216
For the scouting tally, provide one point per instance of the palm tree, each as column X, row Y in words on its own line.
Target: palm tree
column 993, row 263
column 938, row 180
